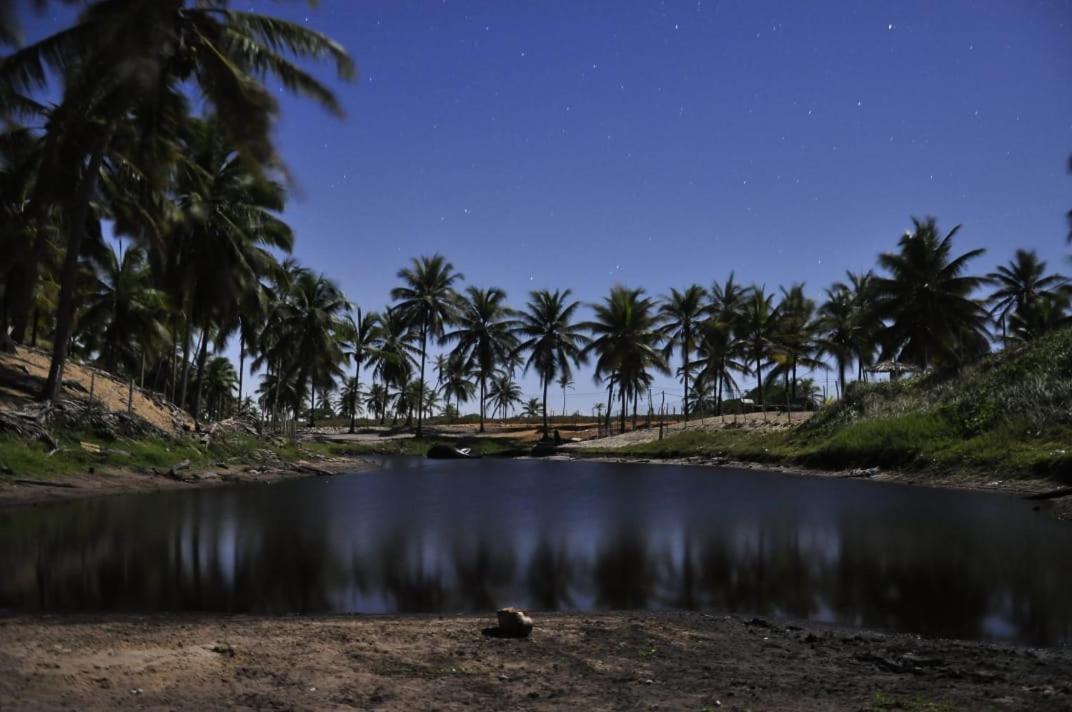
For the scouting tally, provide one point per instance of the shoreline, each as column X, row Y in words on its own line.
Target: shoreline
column 16, row 493
column 1059, row 507
column 604, row 660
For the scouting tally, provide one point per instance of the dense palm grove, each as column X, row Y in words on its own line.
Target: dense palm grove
column 196, row 197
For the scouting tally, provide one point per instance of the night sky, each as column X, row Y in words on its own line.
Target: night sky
column 582, row 144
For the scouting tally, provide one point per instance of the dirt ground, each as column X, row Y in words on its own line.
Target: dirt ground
column 585, row 662
column 23, row 373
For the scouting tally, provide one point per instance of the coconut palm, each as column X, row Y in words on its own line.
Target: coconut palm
column 360, row 344
column 393, row 351
column 759, row 330
column 455, row 381
column 351, row 399
column 720, row 353
column 221, row 245
column 836, row 328
column 927, row 301
column 120, row 317
column 378, row 401
column 531, row 408
column 626, row 339
column 482, row 336
column 504, row 393
column 554, row 342
column 795, row 338
column 1019, row 285
column 427, row 300
column 220, row 386
column 1040, row 316
column 126, row 58
column 565, row 380
column 681, row 313
column 315, row 320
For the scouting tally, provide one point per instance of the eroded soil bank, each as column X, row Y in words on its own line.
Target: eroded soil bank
column 579, row 661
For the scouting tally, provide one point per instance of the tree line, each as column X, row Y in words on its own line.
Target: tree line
column 162, row 130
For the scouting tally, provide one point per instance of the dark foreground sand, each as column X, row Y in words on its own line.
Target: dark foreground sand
column 581, row 662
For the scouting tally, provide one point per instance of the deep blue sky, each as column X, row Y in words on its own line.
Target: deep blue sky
column 572, row 144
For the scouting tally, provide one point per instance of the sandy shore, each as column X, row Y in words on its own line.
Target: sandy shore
column 579, row 661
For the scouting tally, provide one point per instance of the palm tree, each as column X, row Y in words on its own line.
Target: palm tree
column 220, row 384
column 1020, row 284
column 552, row 339
column 565, row 380
column 867, row 319
column 120, row 317
column 681, row 313
column 427, row 300
column 504, row 393
column 350, row 399
column 1040, row 316
column 719, row 350
column 926, row 300
column 378, row 400
column 625, row 339
column 393, row 350
column 531, row 409
column 837, row 329
column 455, row 381
column 795, row 341
column 759, row 328
column 362, row 332
column 225, row 53
column 314, row 319
column 221, row 246
column 483, row 336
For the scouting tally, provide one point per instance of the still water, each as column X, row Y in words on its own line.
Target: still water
column 452, row 536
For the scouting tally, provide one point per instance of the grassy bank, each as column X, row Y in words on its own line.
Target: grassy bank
column 21, row 459
column 1008, row 416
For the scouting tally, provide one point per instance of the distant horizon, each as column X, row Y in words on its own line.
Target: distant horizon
column 565, row 146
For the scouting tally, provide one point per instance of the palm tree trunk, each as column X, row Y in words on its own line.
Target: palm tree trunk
column 788, row 403
column 312, row 399
column 202, row 354
column 420, row 393
column 621, row 416
column 241, row 361
column 684, row 373
column 546, row 380
column 186, row 361
column 759, row 387
column 794, row 379
column 718, row 382
column 68, row 276
column 841, row 376
column 634, row 410
column 483, row 399
column 357, row 386
column 610, row 399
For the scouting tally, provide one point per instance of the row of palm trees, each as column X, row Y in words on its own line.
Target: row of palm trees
column 920, row 310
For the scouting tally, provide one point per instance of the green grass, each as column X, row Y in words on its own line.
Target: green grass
column 1008, row 416
column 31, row 460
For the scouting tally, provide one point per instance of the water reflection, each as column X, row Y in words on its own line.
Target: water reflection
column 462, row 536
